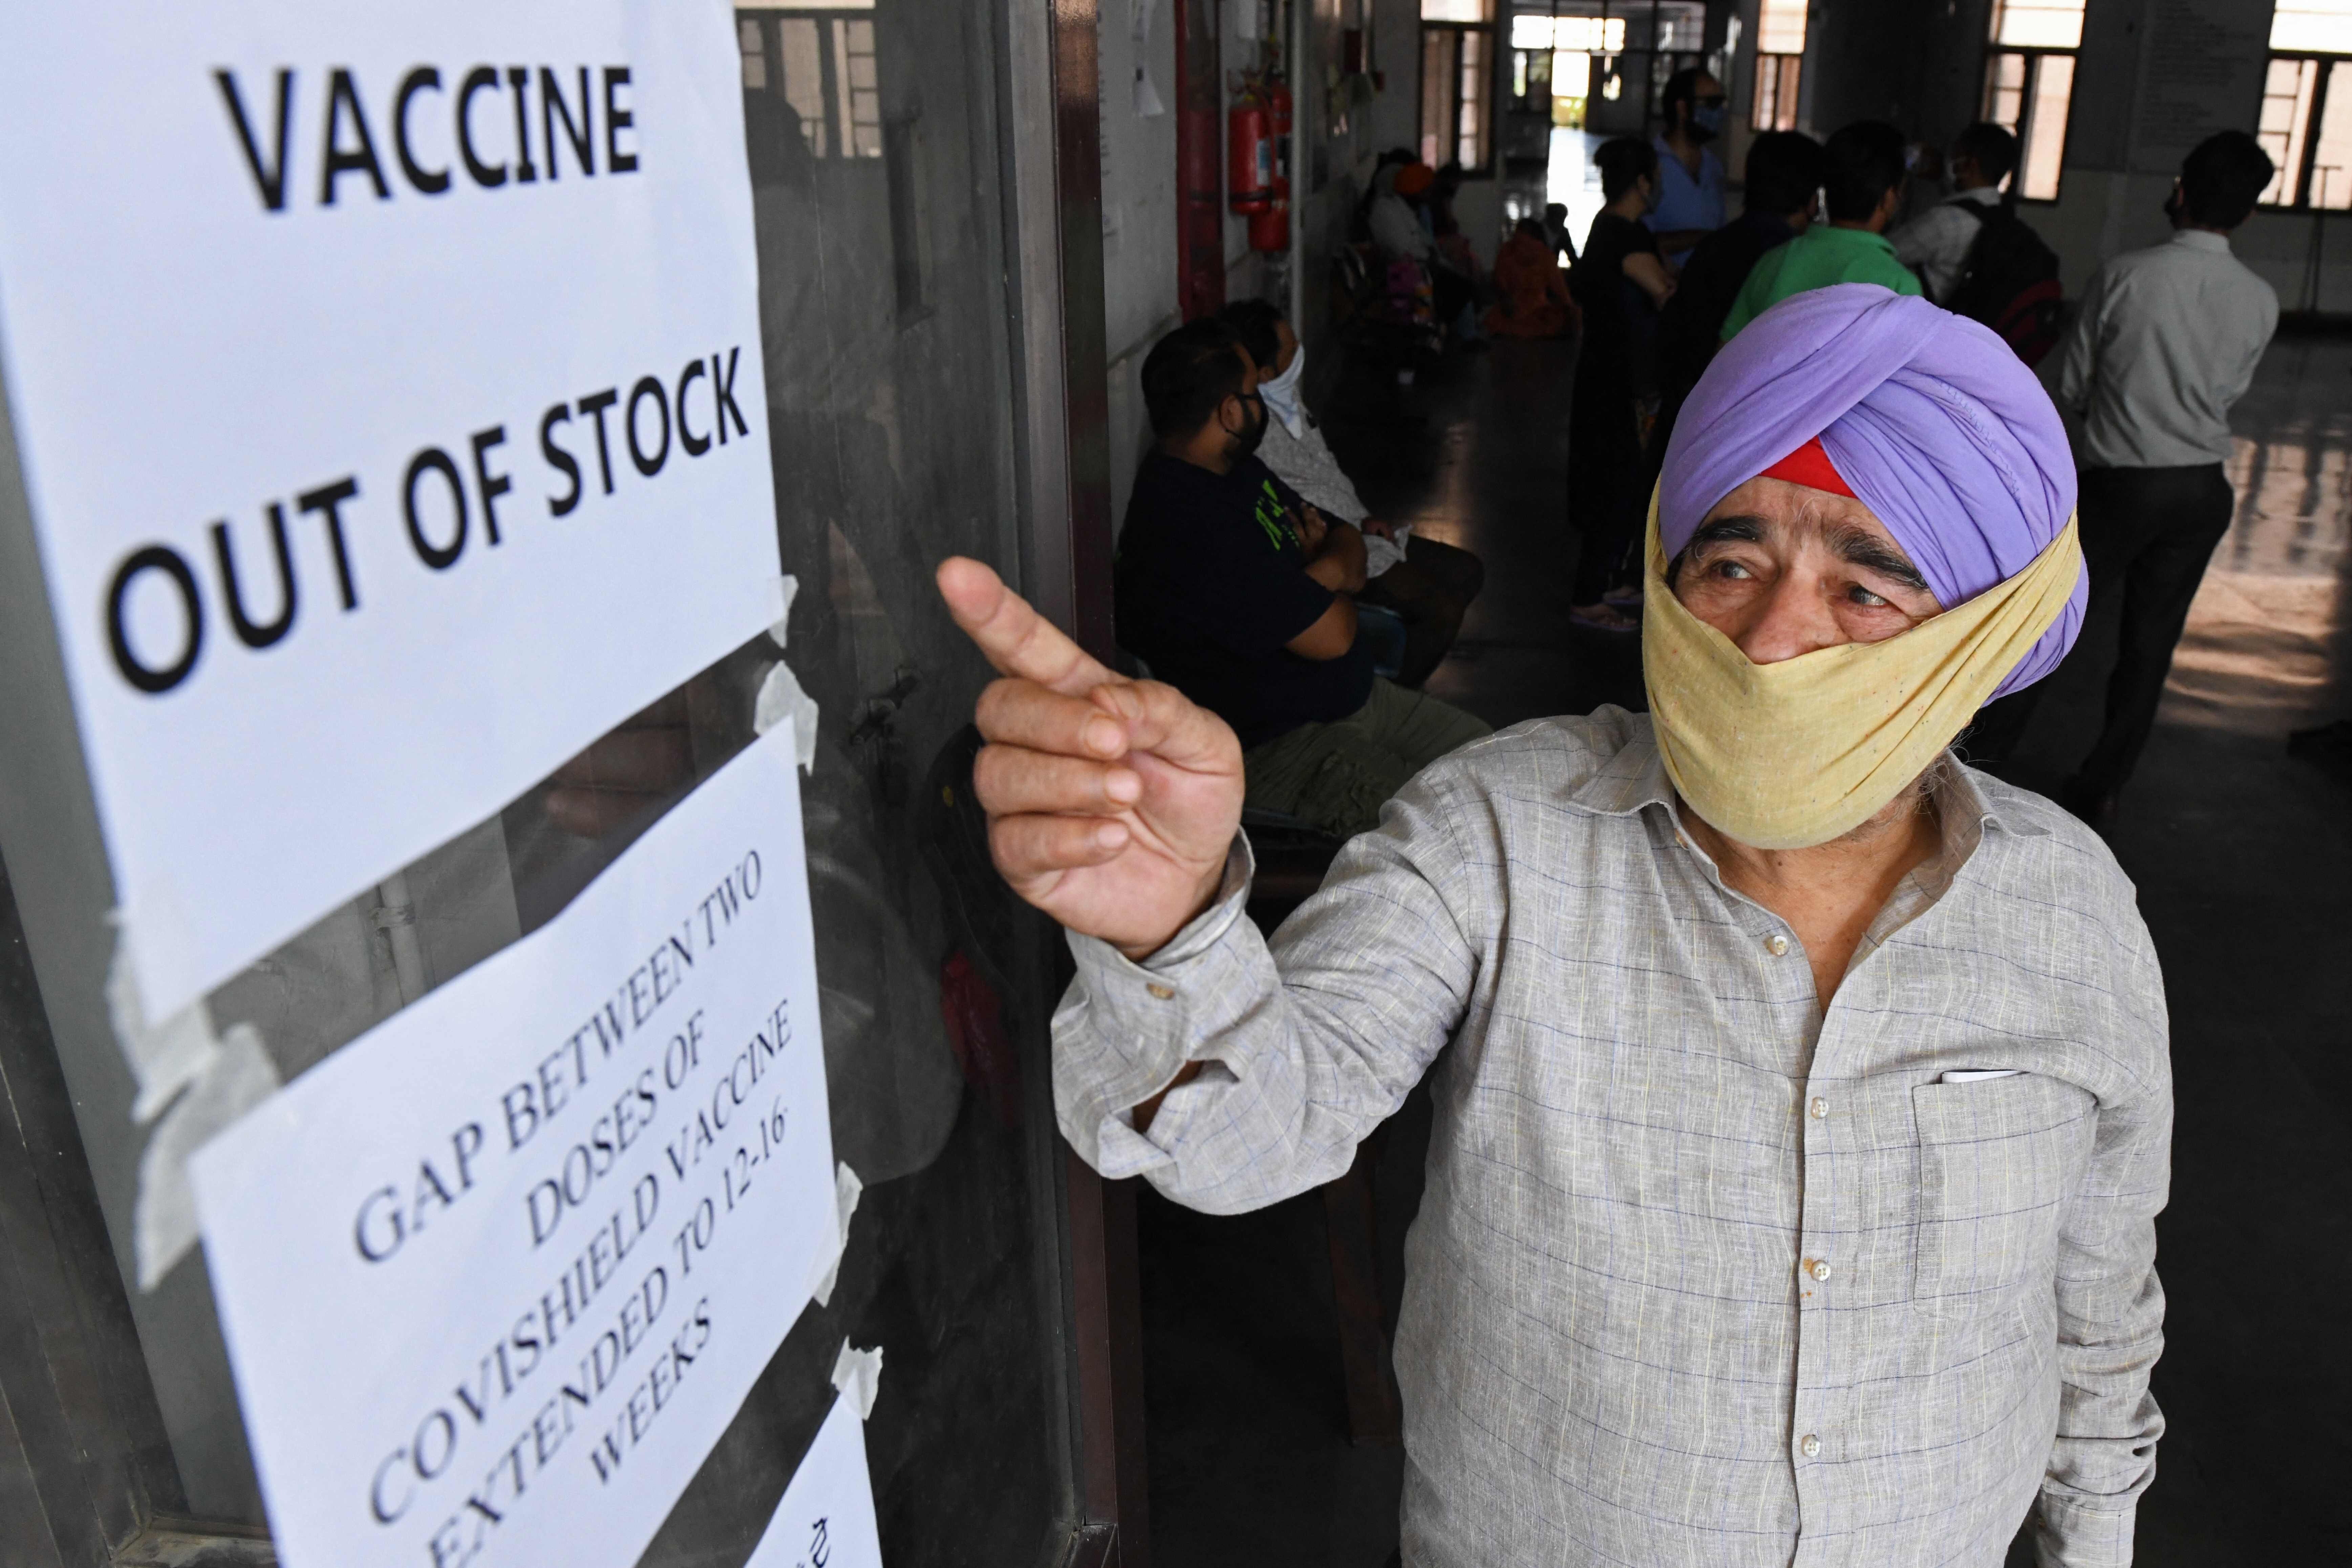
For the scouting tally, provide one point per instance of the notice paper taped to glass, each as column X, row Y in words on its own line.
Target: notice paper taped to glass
column 496, row 1275
column 826, row 1520
column 388, row 385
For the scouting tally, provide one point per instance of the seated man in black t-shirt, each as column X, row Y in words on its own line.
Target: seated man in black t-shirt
column 1237, row 591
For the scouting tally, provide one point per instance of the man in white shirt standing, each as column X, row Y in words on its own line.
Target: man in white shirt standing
column 2167, row 339
column 1937, row 243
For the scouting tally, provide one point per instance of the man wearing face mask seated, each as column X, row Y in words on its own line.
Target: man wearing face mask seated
column 1238, row 594
column 1807, row 1107
column 1429, row 585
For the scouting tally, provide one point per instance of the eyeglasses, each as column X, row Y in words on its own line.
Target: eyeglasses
column 1713, row 100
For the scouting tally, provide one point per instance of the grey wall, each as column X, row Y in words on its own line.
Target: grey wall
column 1139, row 208
column 1918, row 64
column 2155, row 78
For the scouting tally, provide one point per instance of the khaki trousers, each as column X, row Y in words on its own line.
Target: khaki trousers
column 1338, row 774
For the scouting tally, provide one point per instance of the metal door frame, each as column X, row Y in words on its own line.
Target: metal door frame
column 1054, row 192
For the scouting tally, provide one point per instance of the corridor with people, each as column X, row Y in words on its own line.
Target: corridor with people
column 2241, row 853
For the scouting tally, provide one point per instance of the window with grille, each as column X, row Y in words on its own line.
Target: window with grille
column 1780, row 64
column 1457, row 54
column 2029, row 85
column 822, row 63
column 2305, row 123
column 1561, row 52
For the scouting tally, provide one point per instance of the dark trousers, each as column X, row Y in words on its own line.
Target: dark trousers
column 1428, row 590
column 1605, row 502
column 1449, row 293
column 2147, row 534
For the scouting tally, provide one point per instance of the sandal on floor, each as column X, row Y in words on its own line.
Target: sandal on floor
column 1603, row 617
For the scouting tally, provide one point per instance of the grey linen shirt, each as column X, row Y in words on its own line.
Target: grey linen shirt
column 1701, row 1276
column 1303, row 460
column 2166, row 340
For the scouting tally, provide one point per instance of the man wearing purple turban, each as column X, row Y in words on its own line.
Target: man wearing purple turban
column 1801, row 1096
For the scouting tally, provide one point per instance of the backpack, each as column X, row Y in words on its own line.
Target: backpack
column 2009, row 282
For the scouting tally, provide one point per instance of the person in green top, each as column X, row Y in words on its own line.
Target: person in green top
column 1863, row 186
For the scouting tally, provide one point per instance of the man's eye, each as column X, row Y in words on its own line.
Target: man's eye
column 1731, row 569
column 1867, row 599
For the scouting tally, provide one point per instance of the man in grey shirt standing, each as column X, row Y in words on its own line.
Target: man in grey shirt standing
column 1802, row 1103
column 2167, row 339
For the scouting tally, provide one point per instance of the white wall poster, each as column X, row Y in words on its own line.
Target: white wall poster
column 497, row 1274
column 388, row 383
column 826, row 1520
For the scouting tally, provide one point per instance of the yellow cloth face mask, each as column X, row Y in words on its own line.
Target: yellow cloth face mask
column 1783, row 756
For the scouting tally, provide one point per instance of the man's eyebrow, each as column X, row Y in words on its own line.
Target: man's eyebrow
column 1856, row 548
column 1740, row 528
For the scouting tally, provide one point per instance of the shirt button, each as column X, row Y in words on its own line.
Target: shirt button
column 1819, row 1108
column 1810, row 1446
column 1818, row 1267
column 1161, row 992
column 1776, row 944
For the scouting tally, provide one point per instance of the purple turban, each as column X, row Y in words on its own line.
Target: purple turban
column 1938, row 428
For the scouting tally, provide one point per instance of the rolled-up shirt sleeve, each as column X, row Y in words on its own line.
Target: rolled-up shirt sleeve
column 2111, row 1308
column 1304, row 1047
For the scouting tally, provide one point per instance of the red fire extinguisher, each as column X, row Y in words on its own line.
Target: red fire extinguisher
column 1270, row 229
column 1269, row 226
column 1249, row 144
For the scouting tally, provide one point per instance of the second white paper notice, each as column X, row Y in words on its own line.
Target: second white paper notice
column 826, row 1519
column 496, row 1275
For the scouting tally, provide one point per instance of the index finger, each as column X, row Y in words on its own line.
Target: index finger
column 1017, row 640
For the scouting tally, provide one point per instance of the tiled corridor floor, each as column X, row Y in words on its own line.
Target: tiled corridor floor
column 2243, row 859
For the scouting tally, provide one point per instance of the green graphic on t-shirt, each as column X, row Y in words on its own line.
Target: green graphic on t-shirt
column 1274, row 518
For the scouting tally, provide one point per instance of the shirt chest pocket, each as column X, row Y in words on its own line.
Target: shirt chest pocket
column 1998, row 1160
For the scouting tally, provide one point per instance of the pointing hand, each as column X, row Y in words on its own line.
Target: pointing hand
column 1111, row 802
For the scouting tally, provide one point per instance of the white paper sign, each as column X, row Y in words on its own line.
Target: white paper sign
column 389, row 388
column 497, row 1274
column 826, row 1520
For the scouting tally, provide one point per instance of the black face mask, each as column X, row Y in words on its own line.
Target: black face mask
column 1246, row 443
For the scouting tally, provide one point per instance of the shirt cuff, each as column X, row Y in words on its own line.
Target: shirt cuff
column 1124, row 1029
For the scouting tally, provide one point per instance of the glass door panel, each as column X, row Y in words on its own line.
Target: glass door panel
column 875, row 159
